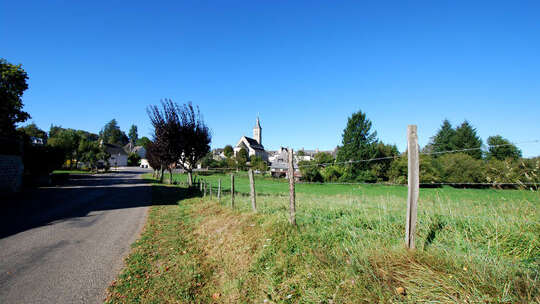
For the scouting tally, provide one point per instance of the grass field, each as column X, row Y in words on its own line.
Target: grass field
column 472, row 246
column 71, row 172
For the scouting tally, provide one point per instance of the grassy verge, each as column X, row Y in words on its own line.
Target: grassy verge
column 472, row 247
column 71, row 172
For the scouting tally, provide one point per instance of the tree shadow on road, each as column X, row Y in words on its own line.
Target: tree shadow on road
column 81, row 196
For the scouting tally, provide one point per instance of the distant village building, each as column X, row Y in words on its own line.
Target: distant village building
column 279, row 164
column 253, row 145
column 119, row 156
column 139, row 150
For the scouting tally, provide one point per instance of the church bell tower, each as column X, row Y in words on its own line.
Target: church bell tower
column 257, row 132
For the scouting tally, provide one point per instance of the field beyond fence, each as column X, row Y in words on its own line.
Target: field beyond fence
column 472, row 245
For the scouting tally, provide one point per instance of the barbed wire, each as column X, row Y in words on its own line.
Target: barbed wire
column 394, row 156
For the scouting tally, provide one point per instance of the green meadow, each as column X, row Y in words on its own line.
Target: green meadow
column 472, row 245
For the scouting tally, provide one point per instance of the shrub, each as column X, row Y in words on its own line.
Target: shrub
column 429, row 170
column 332, row 173
column 461, row 168
column 133, row 159
column 310, row 172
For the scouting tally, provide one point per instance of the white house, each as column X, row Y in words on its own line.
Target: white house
column 119, row 156
column 253, row 145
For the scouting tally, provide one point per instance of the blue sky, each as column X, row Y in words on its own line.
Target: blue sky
column 303, row 66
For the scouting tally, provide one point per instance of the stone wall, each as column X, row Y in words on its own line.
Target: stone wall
column 11, row 173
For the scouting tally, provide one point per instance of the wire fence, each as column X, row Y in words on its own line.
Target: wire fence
column 353, row 215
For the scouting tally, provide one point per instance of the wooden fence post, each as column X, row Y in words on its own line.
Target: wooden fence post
column 210, row 186
column 292, row 195
column 414, row 185
column 204, row 189
column 232, row 190
column 219, row 191
column 252, row 186
column 200, row 185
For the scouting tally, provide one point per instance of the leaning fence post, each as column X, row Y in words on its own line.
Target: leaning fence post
column 219, row 191
column 232, row 190
column 292, row 195
column 414, row 185
column 252, row 186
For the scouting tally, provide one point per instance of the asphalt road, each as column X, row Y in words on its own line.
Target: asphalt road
column 66, row 244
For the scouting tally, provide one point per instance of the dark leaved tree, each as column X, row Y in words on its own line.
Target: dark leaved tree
column 501, row 148
column 168, row 140
column 195, row 135
column 228, row 151
column 444, row 139
column 466, row 138
column 112, row 134
column 12, row 85
column 358, row 143
column 133, row 135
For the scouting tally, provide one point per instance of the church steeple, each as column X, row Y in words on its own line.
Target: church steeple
column 257, row 130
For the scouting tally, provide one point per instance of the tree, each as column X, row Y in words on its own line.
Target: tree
column 310, row 171
column 323, row 158
column 196, row 137
column 133, row 159
column 501, row 148
column 92, row 153
column 32, row 130
column 154, row 158
column 357, row 143
column 180, row 136
column 466, row 138
column 12, row 86
column 444, row 139
column 208, row 161
column 386, row 153
column 228, row 151
column 257, row 163
column 112, row 134
column 67, row 140
column 300, row 153
column 168, row 143
column 133, row 135
column 242, row 157
column 143, row 141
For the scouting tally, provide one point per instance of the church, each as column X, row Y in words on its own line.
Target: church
column 253, row 145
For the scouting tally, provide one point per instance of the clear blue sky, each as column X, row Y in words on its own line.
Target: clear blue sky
column 303, row 66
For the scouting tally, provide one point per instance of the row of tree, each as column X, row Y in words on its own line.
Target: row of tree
column 240, row 161
column 180, row 139
column 441, row 160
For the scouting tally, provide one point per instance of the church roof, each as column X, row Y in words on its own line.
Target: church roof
column 114, row 149
column 253, row 143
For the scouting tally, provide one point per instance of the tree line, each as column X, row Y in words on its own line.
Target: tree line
column 501, row 162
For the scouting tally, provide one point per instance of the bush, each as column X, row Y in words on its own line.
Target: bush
column 352, row 174
column 332, row 173
column 310, row 172
column 133, row 159
column 461, row 168
column 429, row 170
